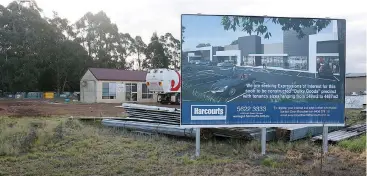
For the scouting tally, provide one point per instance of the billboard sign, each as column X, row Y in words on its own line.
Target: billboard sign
column 262, row 71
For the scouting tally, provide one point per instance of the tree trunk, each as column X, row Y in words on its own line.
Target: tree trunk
column 58, row 79
column 139, row 61
column 58, row 83
column 89, row 52
column 63, row 85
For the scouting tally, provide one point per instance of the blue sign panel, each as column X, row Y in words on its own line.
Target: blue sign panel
column 262, row 71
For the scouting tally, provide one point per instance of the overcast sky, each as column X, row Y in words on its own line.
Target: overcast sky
column 143, row 17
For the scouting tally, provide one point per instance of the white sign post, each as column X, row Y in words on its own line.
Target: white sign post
column 325, row 139
column 197, row 153
column 263, row 141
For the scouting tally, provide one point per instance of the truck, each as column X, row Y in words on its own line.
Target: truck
column 166, row 83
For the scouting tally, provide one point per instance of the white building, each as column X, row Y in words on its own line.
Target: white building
column 100, row 85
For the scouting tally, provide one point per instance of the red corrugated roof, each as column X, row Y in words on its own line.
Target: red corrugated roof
column 118, row 75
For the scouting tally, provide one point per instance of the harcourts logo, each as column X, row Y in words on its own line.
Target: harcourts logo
column 208, row 112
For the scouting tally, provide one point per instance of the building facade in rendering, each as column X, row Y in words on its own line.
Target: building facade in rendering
column 306, row 54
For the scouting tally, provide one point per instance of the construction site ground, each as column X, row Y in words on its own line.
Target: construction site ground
column 53, row 145
column 47, row 108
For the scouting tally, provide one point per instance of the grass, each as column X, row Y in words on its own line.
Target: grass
column 50, row 146
column 354, row 116
column 355, row 145
column 271, row 162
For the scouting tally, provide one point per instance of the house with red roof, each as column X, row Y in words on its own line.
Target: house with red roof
column 101, row 85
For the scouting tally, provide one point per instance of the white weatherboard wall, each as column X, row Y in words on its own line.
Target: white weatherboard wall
column 313, row 39
column 91, row 90
column 121, row 92
column 230, row 53
column 120, row 96
column 88, row 91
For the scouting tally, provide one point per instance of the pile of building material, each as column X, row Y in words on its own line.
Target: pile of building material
column 164, row 120
column 147, row 127
column 345, row 133
column 152, row 120
column 243, row 133
column 153, row 114
column 296, row 133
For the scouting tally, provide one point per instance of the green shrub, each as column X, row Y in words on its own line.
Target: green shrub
column 355, row 145
column 270, row 162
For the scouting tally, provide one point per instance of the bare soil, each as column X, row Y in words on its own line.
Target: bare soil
column 47, row 108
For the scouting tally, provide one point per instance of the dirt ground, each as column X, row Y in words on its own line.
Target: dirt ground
column 46, row 108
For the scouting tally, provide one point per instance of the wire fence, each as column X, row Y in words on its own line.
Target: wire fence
column 39, row 95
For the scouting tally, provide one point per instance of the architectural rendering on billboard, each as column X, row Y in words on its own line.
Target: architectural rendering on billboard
column 262, row 71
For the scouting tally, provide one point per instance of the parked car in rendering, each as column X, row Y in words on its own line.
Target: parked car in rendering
column 202, row 62
column 225, row 64
column 187, row 67
column 230, row 86
column 193, row 61
column 213, row 63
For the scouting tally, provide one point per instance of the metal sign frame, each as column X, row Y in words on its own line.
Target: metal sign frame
column 323, row 122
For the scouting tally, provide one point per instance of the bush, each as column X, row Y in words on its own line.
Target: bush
column 26, row 134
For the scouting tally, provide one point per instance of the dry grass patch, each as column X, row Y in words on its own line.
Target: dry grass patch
column 48, row 146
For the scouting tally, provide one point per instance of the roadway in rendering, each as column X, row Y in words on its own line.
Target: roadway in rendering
column 198, row 81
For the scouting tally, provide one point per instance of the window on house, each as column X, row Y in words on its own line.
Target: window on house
column 131, row 92
column 145, row 93
column 108, row 90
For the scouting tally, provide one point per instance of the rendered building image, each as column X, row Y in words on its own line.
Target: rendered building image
column 305, row 54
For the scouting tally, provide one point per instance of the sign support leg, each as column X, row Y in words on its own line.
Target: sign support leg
column 263, row 141
column 325, row 139
column 197, row 152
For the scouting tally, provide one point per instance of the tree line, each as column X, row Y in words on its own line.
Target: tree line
column 52, row 54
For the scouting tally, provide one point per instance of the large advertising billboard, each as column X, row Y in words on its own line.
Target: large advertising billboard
column 262, row 71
